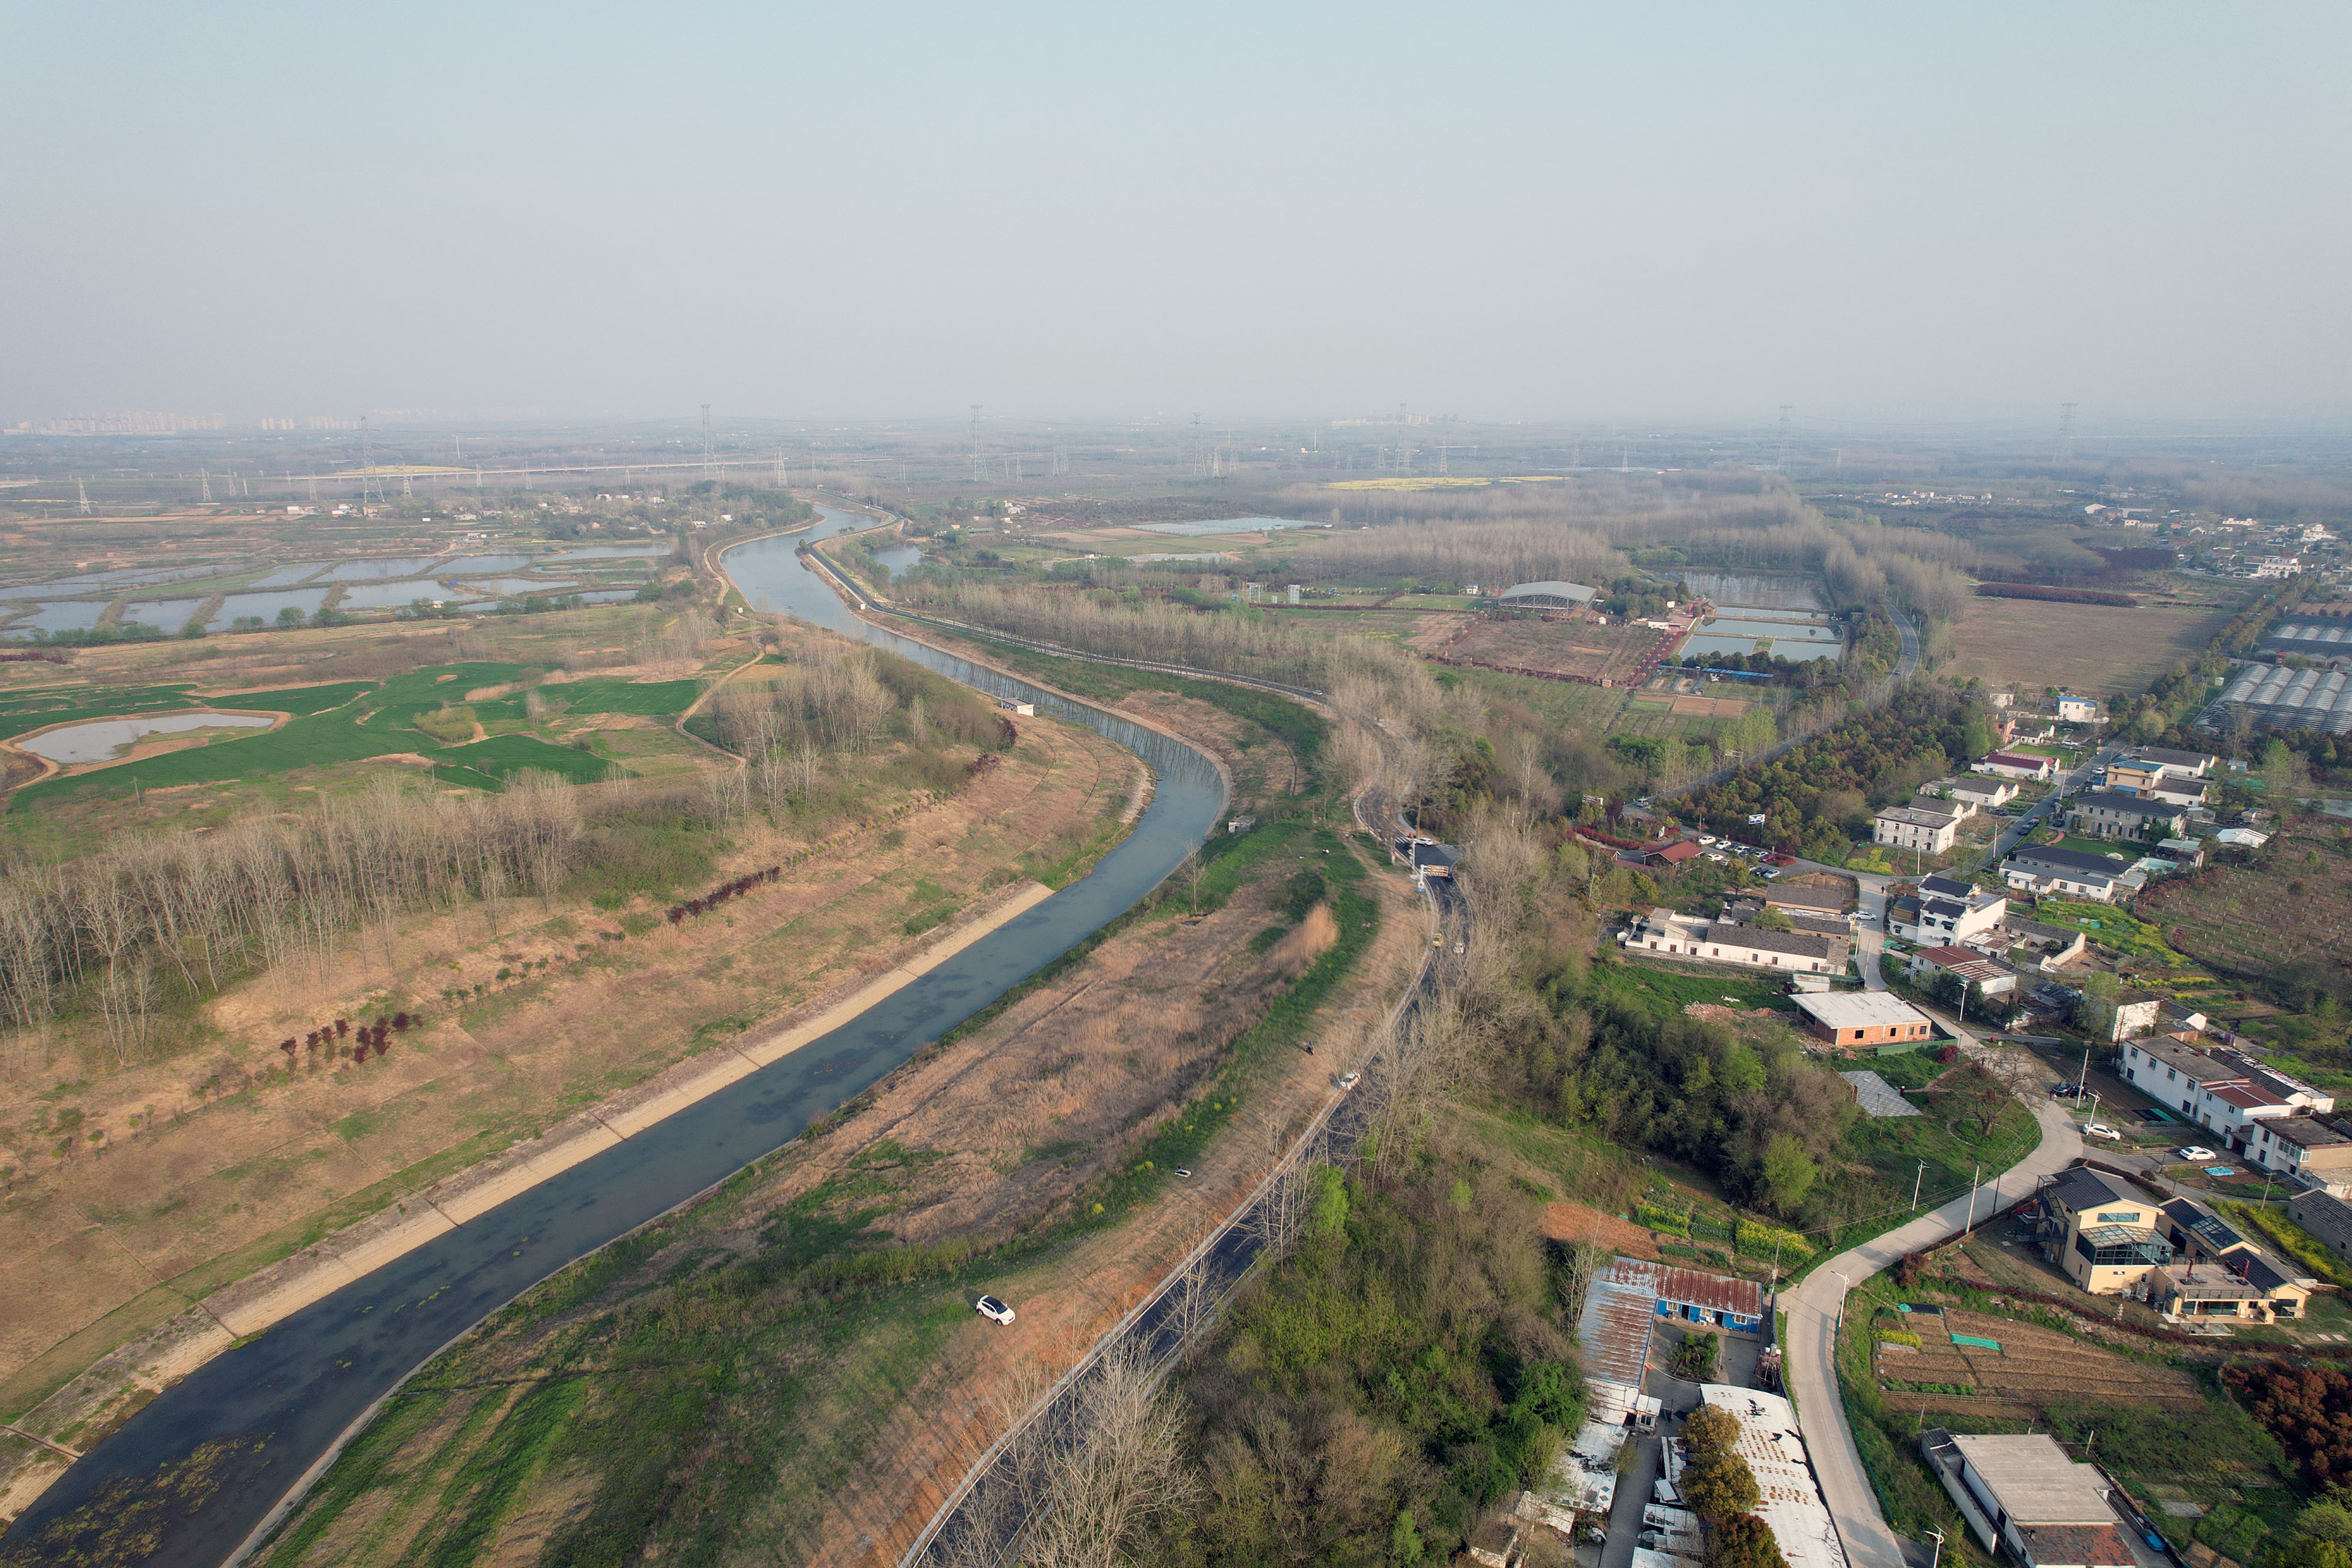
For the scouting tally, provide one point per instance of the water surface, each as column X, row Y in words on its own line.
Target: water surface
column 97, row 739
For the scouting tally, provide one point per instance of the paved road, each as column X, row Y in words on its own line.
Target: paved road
column 1813, row 1308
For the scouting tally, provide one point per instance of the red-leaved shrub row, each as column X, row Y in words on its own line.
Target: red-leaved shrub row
column 372, row 1037
column 2060, row 595
column 721, row 893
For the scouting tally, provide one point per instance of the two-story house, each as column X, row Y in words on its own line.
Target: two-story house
column 2231, row 1095
column 2106, row 814
column 1920, row 827
column 2066, row 873
column 2101, row 1231
column 2310, row 1147
column 1946, row 911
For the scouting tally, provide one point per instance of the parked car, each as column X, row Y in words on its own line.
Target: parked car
column 2100, row 1130
column 992, row 1309
column 2196, row 1152
column 2069, row 1090
column 1349, row 1081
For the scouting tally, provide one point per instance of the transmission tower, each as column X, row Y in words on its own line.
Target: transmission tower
column 83, row 491
column 977, row 476
column 2065, row 430
column 780, row 469
column 1784, row 436
column 706, row 442
column 206, row 480
column 1441, row 455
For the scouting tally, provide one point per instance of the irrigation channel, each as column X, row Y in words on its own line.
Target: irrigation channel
column 271, row 1412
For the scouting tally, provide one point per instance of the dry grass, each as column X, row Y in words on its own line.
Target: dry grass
column 241, row 1161
column 2026, row 644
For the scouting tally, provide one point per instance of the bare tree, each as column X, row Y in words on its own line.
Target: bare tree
column 1123, row 1467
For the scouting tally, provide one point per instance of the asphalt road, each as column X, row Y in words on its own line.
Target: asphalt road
column 1813, row 1307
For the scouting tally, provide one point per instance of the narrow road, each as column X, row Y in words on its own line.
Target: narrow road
column 1813, row 1308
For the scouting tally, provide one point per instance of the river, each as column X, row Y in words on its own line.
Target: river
column 289, row 1394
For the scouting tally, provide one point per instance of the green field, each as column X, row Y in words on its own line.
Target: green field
column 24, row 712
column 351, row 721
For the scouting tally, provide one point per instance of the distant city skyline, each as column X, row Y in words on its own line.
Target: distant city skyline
column 1505, row 212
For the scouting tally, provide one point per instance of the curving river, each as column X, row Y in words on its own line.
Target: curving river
column 293, row 1392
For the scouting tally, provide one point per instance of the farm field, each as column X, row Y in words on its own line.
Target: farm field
column 2026, row 644
column 2288, row 914
column 2033, row 1368
column 1575, row 649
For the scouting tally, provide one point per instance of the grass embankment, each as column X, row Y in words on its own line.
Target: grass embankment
column 733, row 1366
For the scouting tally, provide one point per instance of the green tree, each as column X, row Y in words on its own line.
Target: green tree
column 2095, row 1009
column 1774, row 919
column 1718, row 1484
column 1788, row 1174
column 2323, row 1536
column 1744, row 1540
column 289, row 616
column 1709, row 1429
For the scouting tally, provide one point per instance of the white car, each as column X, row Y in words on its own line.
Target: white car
column 2100, row 1130
column 992, row 1309
column 2196, row 1152
column 1349, row 1081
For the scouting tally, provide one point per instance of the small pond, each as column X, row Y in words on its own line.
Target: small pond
column 97, row 739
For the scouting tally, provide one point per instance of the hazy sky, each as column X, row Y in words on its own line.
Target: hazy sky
column 1649, row 212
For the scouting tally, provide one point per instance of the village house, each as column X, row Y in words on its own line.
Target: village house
column 1915, row 828
column 1946, row 910
column 2024, row 1494
column 2077, row 710
column 2309, row 1147
column 1689, row 937
column 1794, row 898
column 2231, row 1095
column 2055, row 946
column 2154, row 780
column 1977, row 792
column 2101, row 1232
column 2040, row 870
column 2106, row 815
column 2327, row 1216
column 2027, row 765
column 2183, row 764
column 1856, row 1019
column 2219, row 1272
column 1992, row 976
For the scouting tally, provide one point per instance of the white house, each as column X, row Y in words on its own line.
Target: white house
column 2027, row 765
column 1946, row 912
column 1689, row 937
column 1915, row 828
column 2077, row 710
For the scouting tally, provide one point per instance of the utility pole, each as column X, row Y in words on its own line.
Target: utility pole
column 2083, row 1079
column 1914, row 1186
column 1976, row 1180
